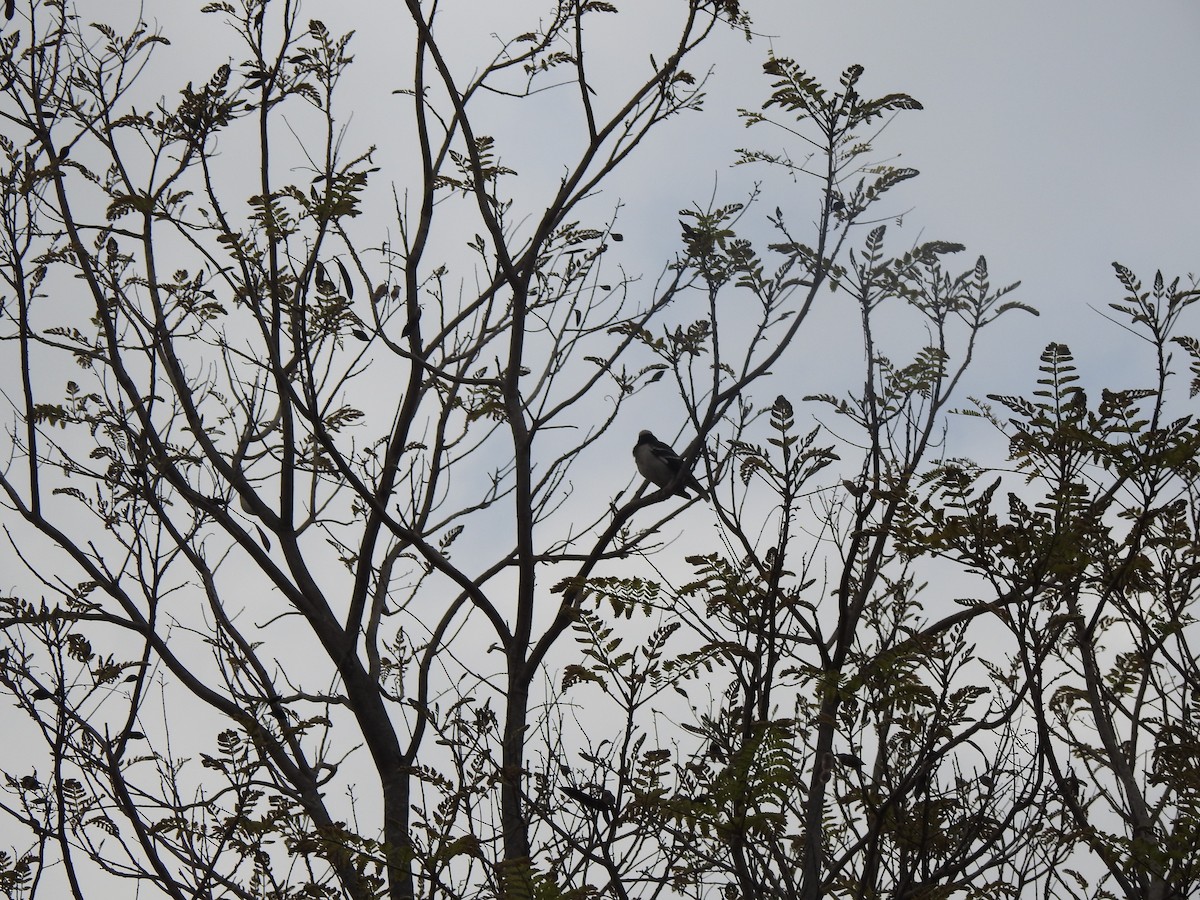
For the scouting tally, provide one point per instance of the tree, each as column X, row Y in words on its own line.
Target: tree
column 862, row 747
column 289, row 628
column 1103, row 559
column 210, row 474
column 812, row 621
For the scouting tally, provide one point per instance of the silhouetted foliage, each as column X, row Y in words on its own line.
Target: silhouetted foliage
column 323, row 580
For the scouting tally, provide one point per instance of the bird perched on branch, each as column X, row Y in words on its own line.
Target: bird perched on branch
column 663, row 467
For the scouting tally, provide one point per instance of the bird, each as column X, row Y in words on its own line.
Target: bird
column 663, row 467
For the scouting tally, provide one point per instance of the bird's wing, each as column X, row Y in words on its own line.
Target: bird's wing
column 665, row 453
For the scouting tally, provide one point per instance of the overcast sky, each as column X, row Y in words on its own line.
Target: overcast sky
column 1056, row 137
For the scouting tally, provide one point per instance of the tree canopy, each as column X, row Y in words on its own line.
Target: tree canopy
column 328, row 572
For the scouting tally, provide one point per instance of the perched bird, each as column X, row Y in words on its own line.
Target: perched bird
column 662, row 466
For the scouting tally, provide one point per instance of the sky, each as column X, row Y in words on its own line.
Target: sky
column 1056, row 138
